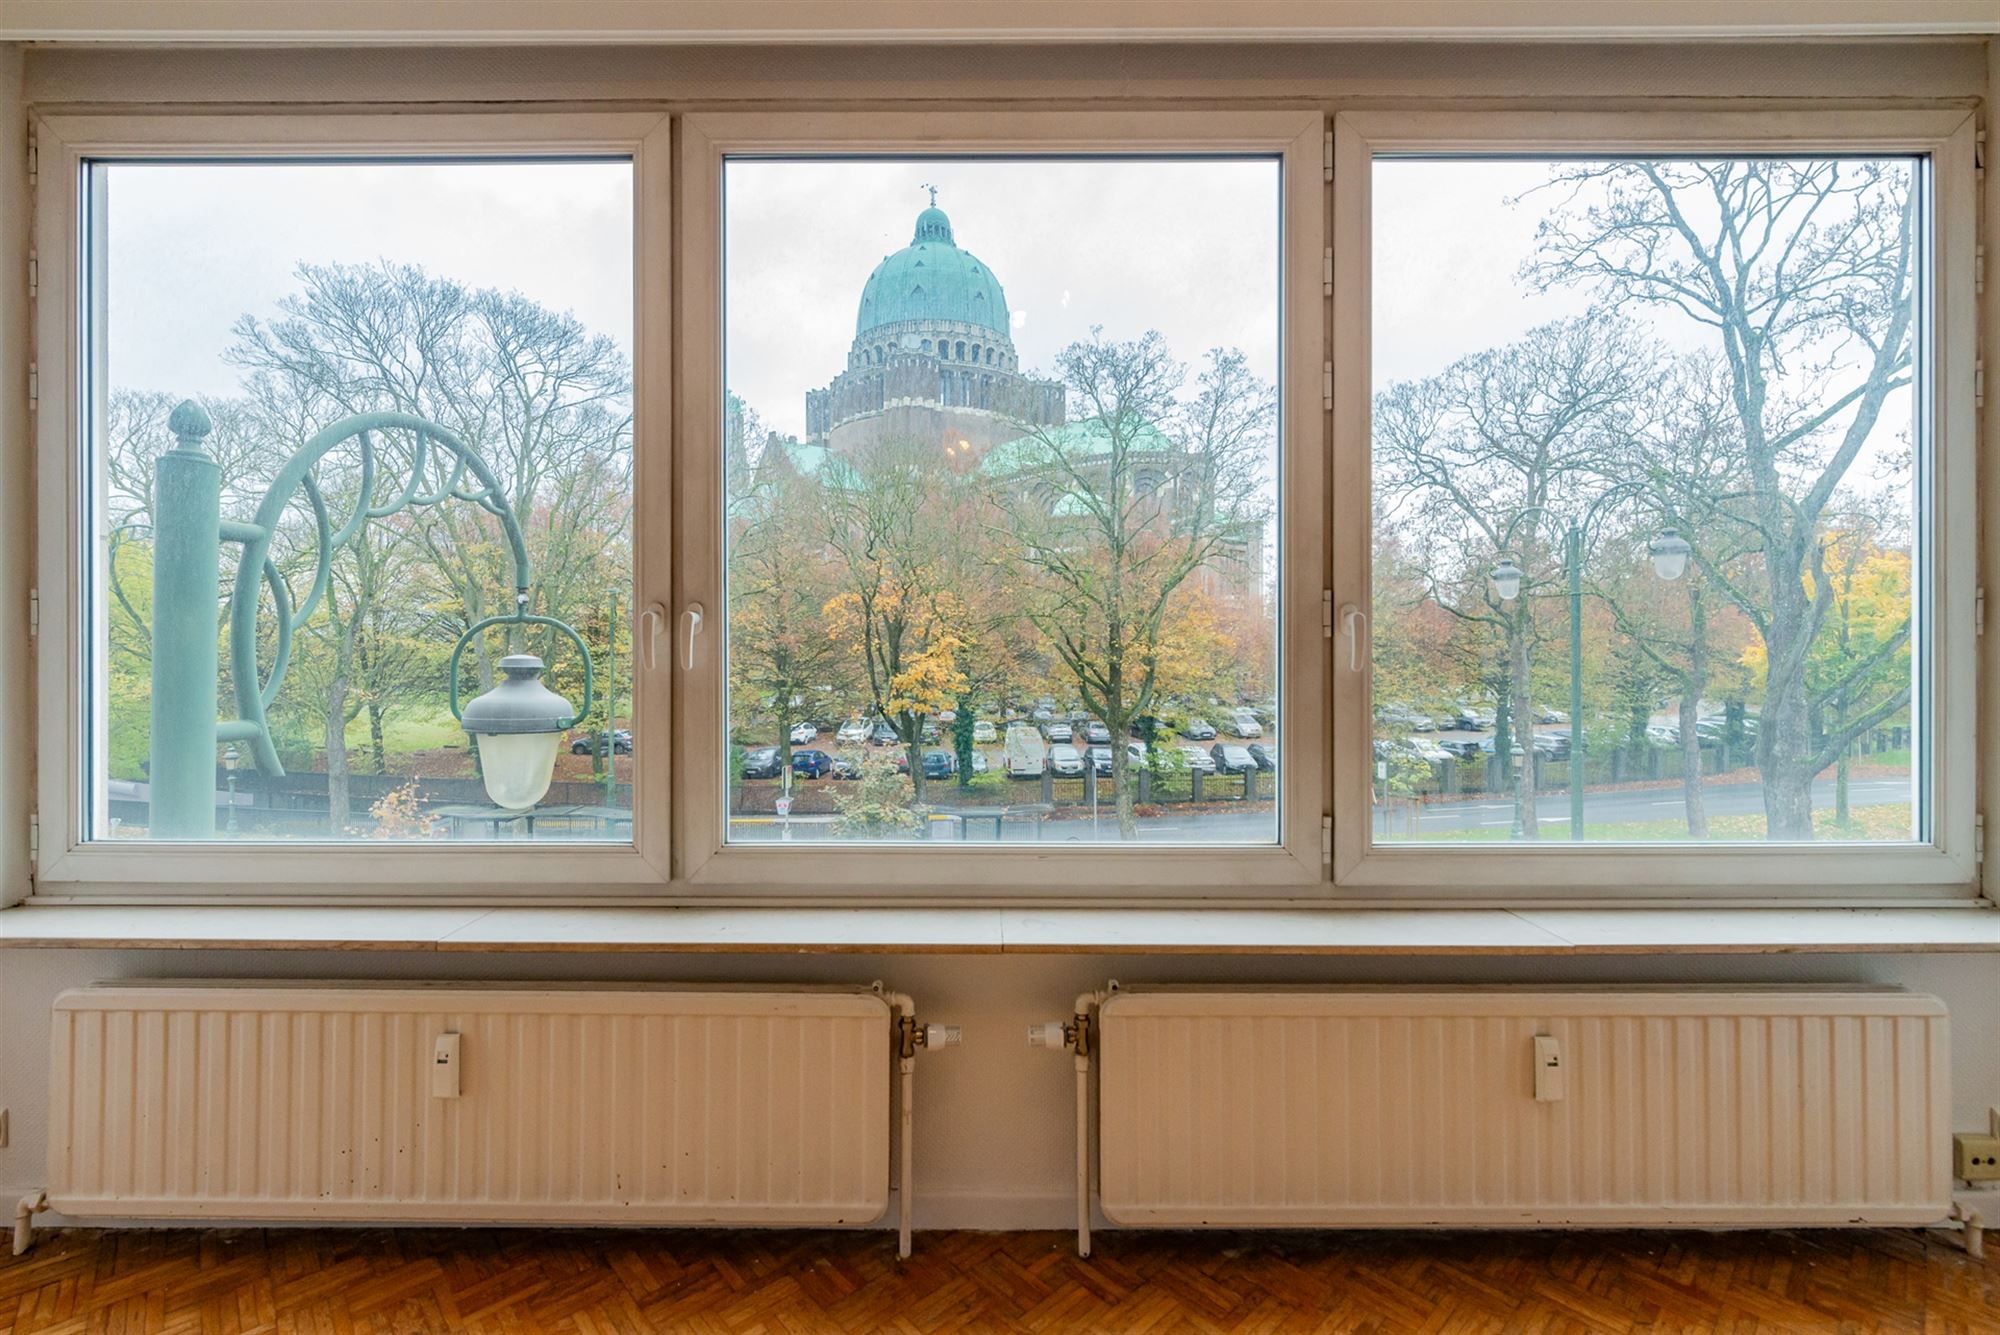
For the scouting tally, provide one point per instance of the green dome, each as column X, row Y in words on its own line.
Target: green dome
column 932, row 279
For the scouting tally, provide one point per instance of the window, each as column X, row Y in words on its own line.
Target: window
column 357, row 483
column 1656, row 535
column 962, row 631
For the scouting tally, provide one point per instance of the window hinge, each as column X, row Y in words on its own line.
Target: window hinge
column 1326, row 840
column 1326, row 613
column 34, row 156
column 34, row 839
column 1978, row 838
column 1326, row 155
column 1326, row 386
column 1979, row 270
column 1979, row 611
column 34, row 276
column 34, row 387
column 1979, row 384
column 1326, row 271
column 34, row 613
column 1979, row 153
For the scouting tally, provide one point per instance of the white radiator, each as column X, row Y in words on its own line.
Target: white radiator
column 1402, row 1107
column 626, row 1105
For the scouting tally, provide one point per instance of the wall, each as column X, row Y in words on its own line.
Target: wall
column 994, row 1117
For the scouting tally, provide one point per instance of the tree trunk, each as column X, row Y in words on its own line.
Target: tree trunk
column 1121, row 787
column 1840, row 815
column 338, row 807
column 375, row 737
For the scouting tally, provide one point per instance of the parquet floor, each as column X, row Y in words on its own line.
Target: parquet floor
column 749, row 1283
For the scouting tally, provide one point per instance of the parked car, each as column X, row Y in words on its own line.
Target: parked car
column 1198, row 760
column 1463, row 721
column 845, row 767
column 1025, row 754
column 1243, row 723
column 1265, row 756
column 1096, row 733
column 591, row 743
column 1059, row 732
column 1199, row 730
column 1460, row 748
column 1065, row 760
column 803, row 733
column 929, row 731
column 940, row 764
column 1100, row 761
column 1145, row 727
column 762, row 763
column 882, row 734
column 1546, row 715
column 811, row 764
column 1042, row 714
column 1486, row 747
column 979, row 765
column 1663, row 734
column 984, row 731
column 1553, row 745
column 1421, row 747
column 1230, row 758
column 852, row 731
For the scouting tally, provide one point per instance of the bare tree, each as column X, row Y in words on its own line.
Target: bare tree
column 1801, row 273
column 1492, row 458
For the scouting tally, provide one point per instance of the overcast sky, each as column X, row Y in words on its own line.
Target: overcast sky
column 194, row 246
column 1189, row 248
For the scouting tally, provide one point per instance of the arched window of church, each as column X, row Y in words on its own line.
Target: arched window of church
column 959, row 352
column 975, row 354
column 986, row 392
column 927, row 347
column 944, row 388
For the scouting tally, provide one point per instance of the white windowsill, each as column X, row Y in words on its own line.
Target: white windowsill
column 1329, row 932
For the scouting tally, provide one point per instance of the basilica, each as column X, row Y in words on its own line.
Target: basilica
column 932, row 357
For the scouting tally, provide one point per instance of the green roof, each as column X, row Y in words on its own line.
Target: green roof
column 1075, row 441
column 932, row 279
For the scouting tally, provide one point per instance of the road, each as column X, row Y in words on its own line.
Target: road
column 1255, row 827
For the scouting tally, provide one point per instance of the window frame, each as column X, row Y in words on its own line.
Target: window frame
column 1945, row 870
column 319, row 872
column 709, row 868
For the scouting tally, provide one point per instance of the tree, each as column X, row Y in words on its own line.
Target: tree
column 891, row 514
column 1800, row 274
column 1110, row 515
column 1492, row 458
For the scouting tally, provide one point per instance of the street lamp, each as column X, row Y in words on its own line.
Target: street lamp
column 1506, row 577
column 516, row 725
column 1670, row 554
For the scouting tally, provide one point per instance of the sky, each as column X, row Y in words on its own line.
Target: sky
column 195, row 246
column 1187, row 247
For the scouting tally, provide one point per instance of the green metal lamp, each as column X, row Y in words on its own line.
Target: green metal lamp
column 516, row 727
column 1670, row 554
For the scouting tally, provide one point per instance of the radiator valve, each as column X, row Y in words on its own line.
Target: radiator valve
column 1073, row 1032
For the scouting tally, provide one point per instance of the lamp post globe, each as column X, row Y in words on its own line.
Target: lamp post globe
column 1670, row 554
column 1506, row 577
column 517, row 726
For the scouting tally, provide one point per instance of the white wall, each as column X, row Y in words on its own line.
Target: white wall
column 995, row 1146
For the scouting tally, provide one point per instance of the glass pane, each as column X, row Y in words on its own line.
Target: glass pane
column 340, row 413
column 1001, row 485
column 1650, row 523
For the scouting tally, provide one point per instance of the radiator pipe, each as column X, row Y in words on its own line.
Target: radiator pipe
column 31, row 1205
column 906, row 1065
column 1078, row 1033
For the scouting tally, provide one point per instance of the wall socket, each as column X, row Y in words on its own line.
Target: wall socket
column 1975, row 1158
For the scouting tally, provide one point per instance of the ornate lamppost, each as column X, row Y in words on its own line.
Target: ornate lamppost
column 515, row 725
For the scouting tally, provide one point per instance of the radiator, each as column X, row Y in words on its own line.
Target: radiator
column 1589, row 1106
column 355, row 1102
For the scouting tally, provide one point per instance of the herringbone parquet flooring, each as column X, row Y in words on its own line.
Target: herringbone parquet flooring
column 749, row 1283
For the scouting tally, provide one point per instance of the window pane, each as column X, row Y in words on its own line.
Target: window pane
column 1001, row 486
column 338, row 414
column 1650, row 525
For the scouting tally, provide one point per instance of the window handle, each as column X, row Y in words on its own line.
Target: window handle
column 1348, row 616
column 691, row 627
column 653, row 620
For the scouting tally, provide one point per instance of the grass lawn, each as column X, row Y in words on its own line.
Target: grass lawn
column 408, row 730
column 1890, row 821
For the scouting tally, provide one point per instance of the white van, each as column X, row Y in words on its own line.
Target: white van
column 1027, row 756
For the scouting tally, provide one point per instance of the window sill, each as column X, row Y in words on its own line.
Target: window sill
column 1322, row 932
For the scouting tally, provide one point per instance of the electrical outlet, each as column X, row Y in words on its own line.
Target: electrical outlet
column 1975, row 1158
